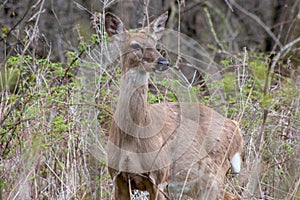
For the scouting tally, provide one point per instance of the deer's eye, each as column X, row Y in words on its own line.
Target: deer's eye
column 136, row 46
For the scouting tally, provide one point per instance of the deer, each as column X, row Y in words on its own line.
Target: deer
column 170, row 150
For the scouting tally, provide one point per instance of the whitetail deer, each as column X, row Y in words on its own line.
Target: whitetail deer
column 150, row 147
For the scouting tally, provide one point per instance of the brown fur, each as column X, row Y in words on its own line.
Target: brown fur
column 165, row 129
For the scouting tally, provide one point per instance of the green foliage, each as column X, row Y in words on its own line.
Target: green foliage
column 41, row 92
column 263, row 102
column 4, row 32
column 40, row 126
column 259, row 70
column 162, row 91
column 9, row 78
column 95, row 39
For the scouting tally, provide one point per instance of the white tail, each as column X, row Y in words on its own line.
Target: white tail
column 167, row 149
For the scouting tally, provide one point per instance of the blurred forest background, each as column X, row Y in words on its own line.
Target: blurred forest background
column 47, row 154
column 263, row 26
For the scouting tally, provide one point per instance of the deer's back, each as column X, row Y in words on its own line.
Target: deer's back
column 206, row 142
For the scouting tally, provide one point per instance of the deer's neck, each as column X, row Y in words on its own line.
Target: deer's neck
column 132, row 106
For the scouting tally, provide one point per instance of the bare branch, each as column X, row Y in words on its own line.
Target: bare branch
column 228, row 4
column 212, row 29
column 287, row 48
column 258, row 20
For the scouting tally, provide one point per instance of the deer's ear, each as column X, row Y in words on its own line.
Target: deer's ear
column 113, row 25
column 158, row 25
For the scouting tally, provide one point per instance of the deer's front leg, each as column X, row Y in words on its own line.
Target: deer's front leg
column 121, row 189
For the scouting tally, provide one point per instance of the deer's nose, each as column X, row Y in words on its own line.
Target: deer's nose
column 162, row 61
column 162, row 64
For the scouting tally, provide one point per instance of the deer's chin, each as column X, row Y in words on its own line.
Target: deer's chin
column 159, row 71
column 156, row 68
column 160, row 68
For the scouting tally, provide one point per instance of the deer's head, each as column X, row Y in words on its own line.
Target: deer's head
column 139, row 49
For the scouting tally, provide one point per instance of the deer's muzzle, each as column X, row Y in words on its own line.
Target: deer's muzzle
column 162, row 64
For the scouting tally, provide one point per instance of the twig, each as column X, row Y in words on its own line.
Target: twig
column 23, row 20
column 268, row 83
column 286, row 48
column 258, row 20
column 283, row 49
column 35, row 27
column 179, row 2
column 228, row 4
column 212, row 29
column 70, row 66
column 18, row 22
column 261, row 135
